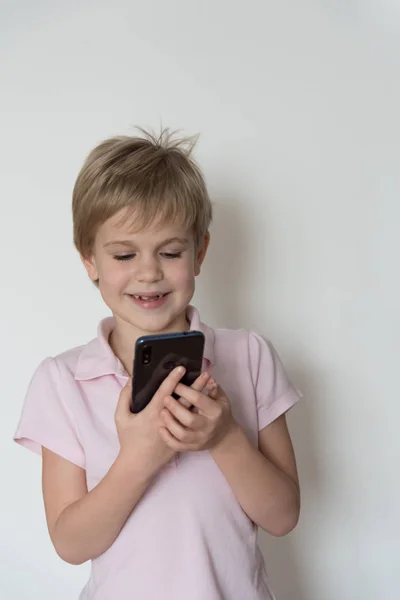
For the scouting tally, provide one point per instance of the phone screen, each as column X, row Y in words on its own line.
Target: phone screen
column 157, row 355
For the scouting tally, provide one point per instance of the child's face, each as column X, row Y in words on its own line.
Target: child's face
column 146, row 278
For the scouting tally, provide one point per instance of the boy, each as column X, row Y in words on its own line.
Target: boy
column 165, row 503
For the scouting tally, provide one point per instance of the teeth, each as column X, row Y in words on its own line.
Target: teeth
column 148, row 298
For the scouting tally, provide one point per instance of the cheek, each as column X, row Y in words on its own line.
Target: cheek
column 112, row 274
column 183, row 275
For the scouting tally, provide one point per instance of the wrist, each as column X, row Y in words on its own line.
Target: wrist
column 135, row 468
column 230, row 441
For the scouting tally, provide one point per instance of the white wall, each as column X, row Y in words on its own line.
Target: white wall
column 298, row 105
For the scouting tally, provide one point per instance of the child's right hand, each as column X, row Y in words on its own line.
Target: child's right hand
column 138, row 434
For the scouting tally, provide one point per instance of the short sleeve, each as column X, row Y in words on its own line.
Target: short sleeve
column 46, row 418
column 275, row 394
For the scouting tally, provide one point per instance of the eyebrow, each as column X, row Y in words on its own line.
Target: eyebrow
column 130, row 243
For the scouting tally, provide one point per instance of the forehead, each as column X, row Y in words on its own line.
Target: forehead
column 123, row 225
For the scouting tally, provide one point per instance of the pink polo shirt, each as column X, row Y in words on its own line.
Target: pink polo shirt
column 187, row 538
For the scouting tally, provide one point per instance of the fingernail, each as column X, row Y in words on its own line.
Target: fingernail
column 180, row 370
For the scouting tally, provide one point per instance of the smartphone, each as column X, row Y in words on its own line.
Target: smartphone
column 157, row 355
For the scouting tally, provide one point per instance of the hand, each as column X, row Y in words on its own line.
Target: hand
column 139, row 434
column 184, row 430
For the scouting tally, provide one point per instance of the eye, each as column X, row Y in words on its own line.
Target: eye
column 171, row 255
column 124, row 256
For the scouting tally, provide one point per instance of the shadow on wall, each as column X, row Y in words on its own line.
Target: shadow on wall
column 229, row 273
column 226, row 265
column 284, row 556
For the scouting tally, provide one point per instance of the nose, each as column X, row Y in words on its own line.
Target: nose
column 148, row 270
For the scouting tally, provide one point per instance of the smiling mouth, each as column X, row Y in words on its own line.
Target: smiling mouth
column 151, row 298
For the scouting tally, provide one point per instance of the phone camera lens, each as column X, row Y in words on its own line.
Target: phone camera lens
column 146, row 355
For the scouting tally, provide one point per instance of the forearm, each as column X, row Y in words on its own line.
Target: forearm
column 87, row 528
column 266, row 494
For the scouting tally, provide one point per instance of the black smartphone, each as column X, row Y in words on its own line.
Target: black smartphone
column 157, row 355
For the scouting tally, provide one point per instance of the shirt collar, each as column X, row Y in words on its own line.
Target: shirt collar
column 98, row 359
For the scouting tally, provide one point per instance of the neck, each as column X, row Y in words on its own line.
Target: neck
column 124, row 335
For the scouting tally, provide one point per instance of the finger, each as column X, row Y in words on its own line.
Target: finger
column 199, row 384
column 213, row 393
column 205, row 404
column 169, row 384
column 177, row 429
column 211, row 387
column 184, row 416
column 124, row 401
column 170, row 441
column 184, row 402
column 217, row 393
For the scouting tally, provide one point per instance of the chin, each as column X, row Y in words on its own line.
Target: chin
column 154, row 323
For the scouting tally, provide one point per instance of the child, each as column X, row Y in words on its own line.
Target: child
column 166, row 503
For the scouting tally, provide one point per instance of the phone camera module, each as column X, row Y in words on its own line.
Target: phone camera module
column 146, row 355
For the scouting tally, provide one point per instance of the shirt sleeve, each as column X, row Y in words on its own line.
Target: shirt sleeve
column 275, row 394
column 46, row 418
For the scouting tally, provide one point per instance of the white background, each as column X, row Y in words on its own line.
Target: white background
column 298, row 106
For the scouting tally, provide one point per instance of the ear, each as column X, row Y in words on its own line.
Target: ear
column 201, row 253
column 90, row 266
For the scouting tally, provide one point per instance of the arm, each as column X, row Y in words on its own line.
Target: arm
column 82, row 524
column 264, row 481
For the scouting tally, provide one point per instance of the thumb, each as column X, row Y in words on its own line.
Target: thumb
column 124, row 401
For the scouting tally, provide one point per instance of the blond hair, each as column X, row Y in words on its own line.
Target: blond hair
column 154, row 177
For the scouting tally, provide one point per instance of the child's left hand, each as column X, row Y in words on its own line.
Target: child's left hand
column 185, row 430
